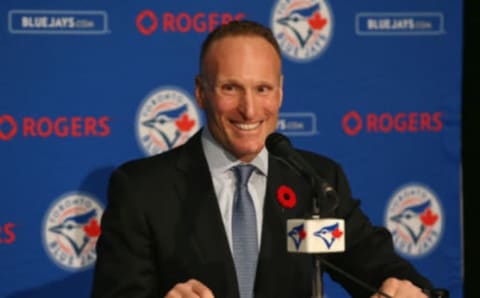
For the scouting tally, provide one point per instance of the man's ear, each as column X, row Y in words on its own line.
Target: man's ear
column 200, row 91
column 281, row 91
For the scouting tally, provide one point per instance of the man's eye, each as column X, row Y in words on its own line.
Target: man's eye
column 264, row 89
column 228, row 87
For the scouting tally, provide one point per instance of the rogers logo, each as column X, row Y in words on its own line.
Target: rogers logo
column 62, row 127
column 8, row 127
column 403, row 122
column 7, row 235
column 148, row 22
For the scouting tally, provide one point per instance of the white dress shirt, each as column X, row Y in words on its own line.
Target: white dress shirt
column 220, row 163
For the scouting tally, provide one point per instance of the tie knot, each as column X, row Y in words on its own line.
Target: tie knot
column 242, row 173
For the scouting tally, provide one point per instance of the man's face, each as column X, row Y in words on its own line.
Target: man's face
column 240, row 90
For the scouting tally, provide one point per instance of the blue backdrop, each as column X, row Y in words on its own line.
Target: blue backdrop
column 375, row 85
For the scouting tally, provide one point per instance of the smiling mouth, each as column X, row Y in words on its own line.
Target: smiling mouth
column 247, row 126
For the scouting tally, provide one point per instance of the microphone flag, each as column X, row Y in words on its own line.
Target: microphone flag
column 312, row 236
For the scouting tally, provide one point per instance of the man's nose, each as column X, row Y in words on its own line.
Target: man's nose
column 247, row 104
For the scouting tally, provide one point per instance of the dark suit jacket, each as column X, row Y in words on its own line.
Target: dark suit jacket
column 163, row 226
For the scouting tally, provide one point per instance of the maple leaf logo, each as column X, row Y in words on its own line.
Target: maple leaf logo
column 317, row 22
column 428, row 218
column 302, row 234
column 92, row 229
column 337, row 233
column 184, row 123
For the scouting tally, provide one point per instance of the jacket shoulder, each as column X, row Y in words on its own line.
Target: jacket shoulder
column 319, row 161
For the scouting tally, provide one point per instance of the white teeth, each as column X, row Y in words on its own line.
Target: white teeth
column 245, row 126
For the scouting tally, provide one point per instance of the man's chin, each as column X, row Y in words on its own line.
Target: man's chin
column 246, row 152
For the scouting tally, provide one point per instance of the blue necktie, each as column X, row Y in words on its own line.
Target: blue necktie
column 244, row 232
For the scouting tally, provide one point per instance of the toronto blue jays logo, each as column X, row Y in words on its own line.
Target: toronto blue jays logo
column 166, row 119
column 303, row 28
column 71, row 230
column 414, row 218
column 297, row 234
column 329, row 234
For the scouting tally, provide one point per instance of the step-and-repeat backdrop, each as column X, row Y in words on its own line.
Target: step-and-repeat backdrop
column 374, row 84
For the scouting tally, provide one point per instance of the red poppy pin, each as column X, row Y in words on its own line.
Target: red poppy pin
column 286, row 197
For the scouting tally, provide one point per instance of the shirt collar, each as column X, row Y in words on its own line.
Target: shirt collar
column 220, row 160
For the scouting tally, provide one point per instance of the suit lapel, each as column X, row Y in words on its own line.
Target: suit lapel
column 275, row 267
column 208, row 237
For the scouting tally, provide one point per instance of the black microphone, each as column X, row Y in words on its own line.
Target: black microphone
column 280, row 146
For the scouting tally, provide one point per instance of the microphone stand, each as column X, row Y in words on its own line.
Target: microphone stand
column 322, row 189
column 317, row 282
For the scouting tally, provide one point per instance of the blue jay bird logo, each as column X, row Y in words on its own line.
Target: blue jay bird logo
column 329, row 234
column 302, row 28
column 414, row 218
column 160, row 122
column 71, row 230
column 77, row 230
column 302, row 22
column 297, row 234
column 166, row 119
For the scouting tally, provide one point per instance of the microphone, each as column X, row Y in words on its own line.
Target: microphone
column 280, row 146
column 313, row 235
column 317, row 235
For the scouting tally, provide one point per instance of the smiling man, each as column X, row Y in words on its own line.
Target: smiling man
column 240, row 89
column 172, row 224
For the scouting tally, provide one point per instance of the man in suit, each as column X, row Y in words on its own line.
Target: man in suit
column 167, row 229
